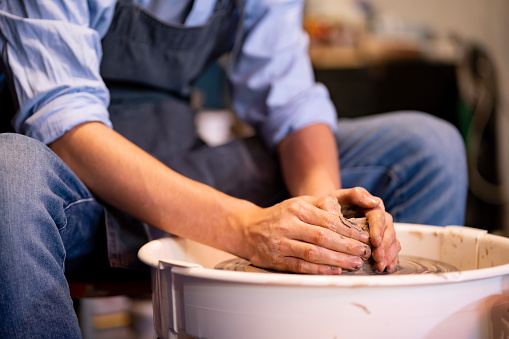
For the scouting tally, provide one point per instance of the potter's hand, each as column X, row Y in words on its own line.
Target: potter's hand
column 386, row 246
column 301, row 235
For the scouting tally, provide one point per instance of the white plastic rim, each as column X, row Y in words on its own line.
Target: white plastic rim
column 150, row 255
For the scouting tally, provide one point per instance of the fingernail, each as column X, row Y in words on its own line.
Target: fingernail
column 367, row 252
column 356, row 263
column 334, row 270
column 373, row 201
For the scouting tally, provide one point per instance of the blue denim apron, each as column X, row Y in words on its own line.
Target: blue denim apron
column 149, row 68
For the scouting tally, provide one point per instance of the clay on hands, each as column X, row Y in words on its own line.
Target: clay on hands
column 360, row 223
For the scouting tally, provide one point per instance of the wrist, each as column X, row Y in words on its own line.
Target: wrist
column 238, row 239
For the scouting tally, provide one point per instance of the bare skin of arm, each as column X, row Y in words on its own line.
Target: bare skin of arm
column 297, row 235
column 310, row 166
column 309, row 160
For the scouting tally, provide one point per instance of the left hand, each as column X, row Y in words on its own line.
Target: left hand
column 382, row 233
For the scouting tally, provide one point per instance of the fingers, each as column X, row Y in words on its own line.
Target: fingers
column 329, row 204
column 386, row 254
column 392, row 260
column 315, row 249
column 299, row 237
column 329, row 240
column 393, row 253
column 322, row 256
column 356, row 197
column 301, row 266
column 377, row 221
column 382, row 233
column 306, row 235
column 302, row 257
column 324, row 213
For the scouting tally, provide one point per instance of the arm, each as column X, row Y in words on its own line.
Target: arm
column 296, row 235
column 309, row 161
column 275, row 91
column 130, row 179
column 56, row 75
column 310, row 165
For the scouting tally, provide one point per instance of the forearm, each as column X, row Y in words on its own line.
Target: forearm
column 128, row 178
column 310, row 162
column 280, row 237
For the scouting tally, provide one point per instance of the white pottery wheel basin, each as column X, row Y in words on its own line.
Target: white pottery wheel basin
column 190, row 298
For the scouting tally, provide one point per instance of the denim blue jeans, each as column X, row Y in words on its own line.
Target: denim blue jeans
column 49, row 219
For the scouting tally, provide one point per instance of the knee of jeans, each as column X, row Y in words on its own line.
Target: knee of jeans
column 19, row 155
column 438, row 141
column 26, row 167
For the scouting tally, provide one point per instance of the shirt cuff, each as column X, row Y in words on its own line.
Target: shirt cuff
column 316, row 107
column 63, row 113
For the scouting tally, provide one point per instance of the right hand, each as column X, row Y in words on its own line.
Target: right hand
column 303, row 235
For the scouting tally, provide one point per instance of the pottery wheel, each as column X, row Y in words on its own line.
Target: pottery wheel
column 407, row 265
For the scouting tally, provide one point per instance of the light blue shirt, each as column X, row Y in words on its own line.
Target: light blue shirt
column 53, row 52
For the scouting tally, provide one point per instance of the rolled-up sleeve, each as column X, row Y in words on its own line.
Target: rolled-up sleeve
column 51, row 56
column 272, row 81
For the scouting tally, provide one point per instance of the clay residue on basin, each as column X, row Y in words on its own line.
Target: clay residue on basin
column 417, row 234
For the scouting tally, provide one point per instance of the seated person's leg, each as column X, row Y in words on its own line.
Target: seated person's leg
column 413, row 161
column 47, row 216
